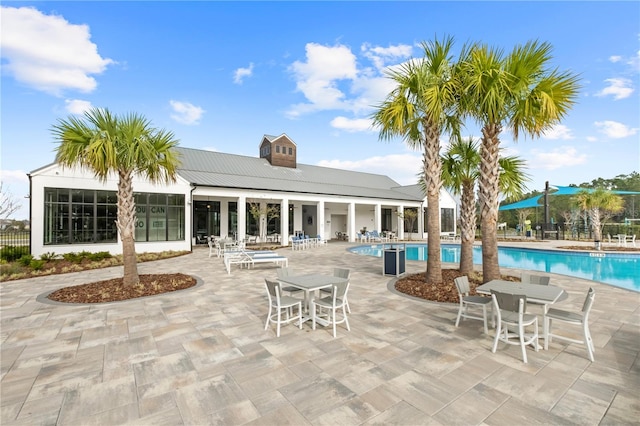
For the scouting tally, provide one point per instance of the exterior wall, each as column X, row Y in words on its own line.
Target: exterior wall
column 446, row 201
column 325, row 215
column 55, row 177
column 280, row 153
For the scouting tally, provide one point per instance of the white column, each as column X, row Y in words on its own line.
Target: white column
column 224, row 218
column 401, row 222
column 377, row 218
column 421, row 229
column 320, row 225
column 284, row 222
column 262, row 222
column 242, row 217
column 351, row 222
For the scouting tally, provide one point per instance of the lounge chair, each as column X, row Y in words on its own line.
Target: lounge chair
column 250, row 258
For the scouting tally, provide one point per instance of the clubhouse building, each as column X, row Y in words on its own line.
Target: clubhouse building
column 270, row 197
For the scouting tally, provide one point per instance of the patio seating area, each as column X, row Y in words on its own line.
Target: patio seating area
column 203, row 356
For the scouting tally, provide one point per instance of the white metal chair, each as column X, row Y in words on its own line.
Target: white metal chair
column 529, row 278
column 281, row 303
column 286, row 272
column 337, row 300
column 512, row 320
column 462, row 284
column 342, row 273
column 576, row 318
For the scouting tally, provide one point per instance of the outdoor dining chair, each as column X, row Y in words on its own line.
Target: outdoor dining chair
column 332, row 303
column 575, row 318
column 281, row 304
column 529, row 278
column 287, row 272
column 512, row 320
column 342, row 273
column 466, row 301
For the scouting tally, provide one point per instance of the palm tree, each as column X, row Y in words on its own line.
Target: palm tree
column 516, row 91
column 460, row 171
column 599, row 205
column 419, row 109
column 127, row 145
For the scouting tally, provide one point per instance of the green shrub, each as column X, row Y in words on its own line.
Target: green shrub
column 96, row 257
column 11, row 253
column 36, row 265
column 25, row 260
column 72, row 257
column 48, row 256
column 84, row 254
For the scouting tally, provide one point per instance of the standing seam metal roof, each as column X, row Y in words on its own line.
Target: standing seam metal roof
column 215, row 169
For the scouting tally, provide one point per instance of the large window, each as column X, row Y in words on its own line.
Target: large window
column 273, row 221
column 207, row 219
column 447, row 220
column 252, row 223
column 411, row 220
column 75, row 216
column 79, row 216
column 386, row 223
column 159, row 217
column 232, row 219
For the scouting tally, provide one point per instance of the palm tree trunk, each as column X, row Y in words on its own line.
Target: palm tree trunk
column 433, row 182
column 489, row 190
column 594, row 216
column 126, row 227
column 467, row 228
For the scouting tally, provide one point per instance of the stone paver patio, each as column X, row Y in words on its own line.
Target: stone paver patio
column 202, row 356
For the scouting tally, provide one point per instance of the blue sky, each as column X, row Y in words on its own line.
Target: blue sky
column 220, row 75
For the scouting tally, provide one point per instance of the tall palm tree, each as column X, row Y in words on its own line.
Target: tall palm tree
column 460, row 171
column 128, row 145
column 419, row 109
column 516, row 91
column 599, row 206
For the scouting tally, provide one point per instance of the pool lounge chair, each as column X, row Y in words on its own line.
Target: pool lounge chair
column 249, row 259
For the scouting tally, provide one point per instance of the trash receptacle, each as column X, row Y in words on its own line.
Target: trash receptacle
column 394, row 258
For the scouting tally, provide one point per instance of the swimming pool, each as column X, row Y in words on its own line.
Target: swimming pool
column 618, row 269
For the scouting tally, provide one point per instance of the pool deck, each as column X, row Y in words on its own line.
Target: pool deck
column 201, row 356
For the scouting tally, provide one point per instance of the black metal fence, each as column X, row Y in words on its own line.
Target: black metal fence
column 14, row 244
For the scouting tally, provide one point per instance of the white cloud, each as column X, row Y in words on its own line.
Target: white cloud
column 240, row 74
column 615, row 130
column 615, row 58
column 591, row 138
column 185, row 112
column 47, row 52
column 77, row 106
column 381, row 56
column 403, row 168
column 619, row 88
column 559, row 131
column 564, row 156
column 318, row 77
column 352, row 124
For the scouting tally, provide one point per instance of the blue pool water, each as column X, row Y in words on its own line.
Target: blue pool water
column 621, row 270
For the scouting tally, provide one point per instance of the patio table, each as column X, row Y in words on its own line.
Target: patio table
column 544, row 295
column 311, row 283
